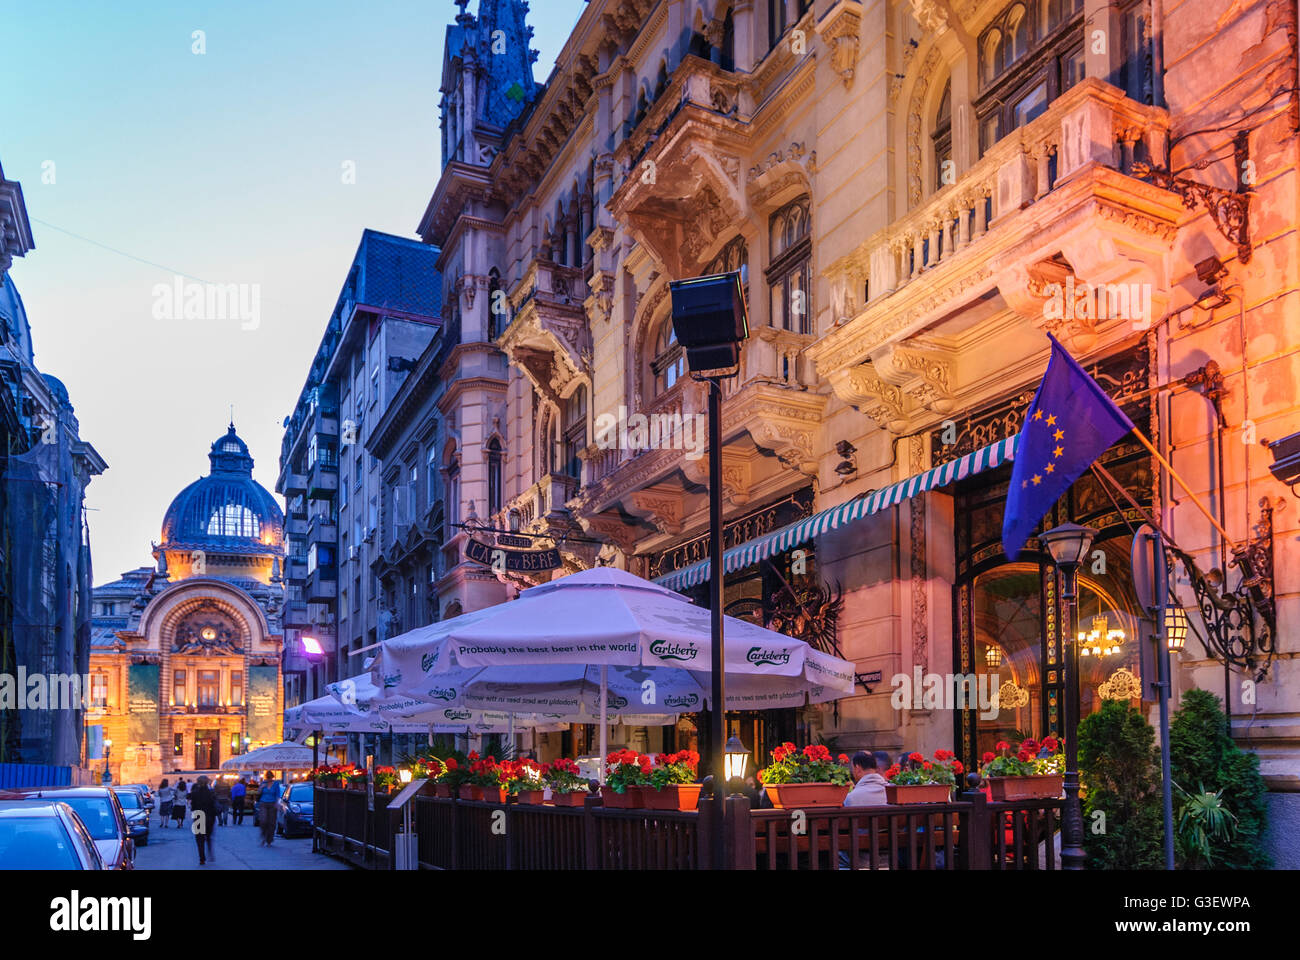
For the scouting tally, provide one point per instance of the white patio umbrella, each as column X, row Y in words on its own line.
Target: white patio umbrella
column 570, row 636
column 279, row 756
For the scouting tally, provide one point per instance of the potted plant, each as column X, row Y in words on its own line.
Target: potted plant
column 488, row 778
column 449, row 781
column 385, row 779
column 626, row 771
column 525, row 782
column 564, row 777
column 672, row 783
column 356, row 779
column 922, row 780
column 1035, row 771
column 810, row 777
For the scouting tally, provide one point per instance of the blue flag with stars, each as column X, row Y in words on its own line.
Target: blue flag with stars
column 1069, row 425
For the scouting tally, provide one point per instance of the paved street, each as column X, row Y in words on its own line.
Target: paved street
column 236, row 849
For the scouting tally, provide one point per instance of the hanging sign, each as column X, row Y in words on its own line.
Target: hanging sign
column 522, row 561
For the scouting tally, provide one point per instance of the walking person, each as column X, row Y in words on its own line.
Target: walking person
column 237, row 793
column 221, row 789
column 166, row 794
column 266, row 801
column 203, row 808
column 179, row 802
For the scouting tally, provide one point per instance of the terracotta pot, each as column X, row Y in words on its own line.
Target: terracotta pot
column 1047, row 786
column 441, row 790
column 494, row 794
column 574, row 799
column 675, row 796
column 917, row 792
column 621, row 801
column 531, row 796
column 792, row 796
column 467, row 791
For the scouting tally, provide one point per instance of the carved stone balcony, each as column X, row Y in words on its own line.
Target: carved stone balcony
column 1052, row 207
column 548, row 338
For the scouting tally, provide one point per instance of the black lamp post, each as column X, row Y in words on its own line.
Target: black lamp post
column 1069, row 545
column 710, row 321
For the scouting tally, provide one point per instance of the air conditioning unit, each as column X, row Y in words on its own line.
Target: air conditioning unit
column 353, row 551
column 370, row 535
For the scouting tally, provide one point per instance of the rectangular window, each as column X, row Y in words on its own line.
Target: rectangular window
column 237, row 688
column 178, row 744
column 99, row 690
column 1032, row 105
column 178, row 688
column 209, row 688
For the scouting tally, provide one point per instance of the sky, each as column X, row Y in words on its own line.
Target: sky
column 252, row 154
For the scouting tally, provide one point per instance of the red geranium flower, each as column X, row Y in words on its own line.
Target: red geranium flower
column 988, row 757
column 957, row 767
column 1023, row 756
column 843, row 758
column 1051, row 743
column 915, row 757
column 1003, row 745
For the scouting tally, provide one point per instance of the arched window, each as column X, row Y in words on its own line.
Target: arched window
column 729, row 41
column 661, row 80
column 494, row 476
column 234, row 520
column 669, row 363
column 943, row 171
column 734, row 257
column 1029, row 54
column 789, row 276
column 775, row 22
column 452, row 503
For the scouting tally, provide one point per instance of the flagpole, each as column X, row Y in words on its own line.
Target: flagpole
column 1232, row 544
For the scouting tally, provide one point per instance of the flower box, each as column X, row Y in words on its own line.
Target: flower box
column 531, row 796
column 674, row 796
column 792, row 796
column 614, row 800
column 441, row 790
column 467, row 791
column 917, row 792
column 575, row 798
column 494, row 794
column 1047, row 786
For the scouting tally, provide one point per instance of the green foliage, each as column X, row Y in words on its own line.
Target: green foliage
column 1120, row 771
column 1202, row 823
column 1202, row 753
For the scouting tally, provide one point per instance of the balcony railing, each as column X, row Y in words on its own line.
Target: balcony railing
column 1091, row 122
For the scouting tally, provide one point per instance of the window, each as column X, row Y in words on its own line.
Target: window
column 343, row 494
column 790, row 275
column 943, row 139
column 775, row 21
column 1029, row 54
column 99, row 690
column 729, row 41
column 178, row 744
column 109, row 609
column 358, row 471
column 209, row 688
column 496, row 305
column 178, row 689
column 574, row 436
column 453, row 497
column 234, row 520
column 494, row 476
column 413, row 495
column 374, row 385
column 431, row 476
column 669, row 364
column 237, row 688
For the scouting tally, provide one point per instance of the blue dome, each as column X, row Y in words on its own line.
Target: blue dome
column 227, row 510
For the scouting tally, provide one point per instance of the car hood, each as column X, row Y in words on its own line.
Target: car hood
column 109, row 850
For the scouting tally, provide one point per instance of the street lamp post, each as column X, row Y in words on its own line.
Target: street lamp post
column 1069, row 545
column 108, row 757
column 709, row 321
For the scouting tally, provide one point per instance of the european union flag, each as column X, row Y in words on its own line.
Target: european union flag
column 1069, row 425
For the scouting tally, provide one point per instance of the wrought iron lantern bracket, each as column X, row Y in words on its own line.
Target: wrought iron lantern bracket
column 1241, row 624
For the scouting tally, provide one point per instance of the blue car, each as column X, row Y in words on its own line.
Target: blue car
column 45, row 836
column 293, row 811
column 137, row 813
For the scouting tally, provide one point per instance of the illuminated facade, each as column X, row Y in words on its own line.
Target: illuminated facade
column 185, row 662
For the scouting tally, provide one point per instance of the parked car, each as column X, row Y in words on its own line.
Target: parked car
column 293, row 813
column 45, row 836
column 100, row 811
column 137, row 813
column 146, row 790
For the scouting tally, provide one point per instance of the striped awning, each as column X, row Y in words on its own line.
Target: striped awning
column 778, row 541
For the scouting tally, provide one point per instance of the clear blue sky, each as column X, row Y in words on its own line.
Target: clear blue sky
column 226, row 167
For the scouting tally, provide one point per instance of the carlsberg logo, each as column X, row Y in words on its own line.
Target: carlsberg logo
column 392, row 680
column 759, row 655
column 683, row 700
column 427, row 661
column 442, row 693
column 457, row 714
column 666, row 650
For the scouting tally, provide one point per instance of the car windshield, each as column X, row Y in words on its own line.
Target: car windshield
column 300, row 793
column 36, row 843
column 96, row 815
column 130, row 799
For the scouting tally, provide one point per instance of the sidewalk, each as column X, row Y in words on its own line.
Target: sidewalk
column 236, row 848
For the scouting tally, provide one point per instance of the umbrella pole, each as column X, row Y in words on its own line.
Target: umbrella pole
column 604, row 721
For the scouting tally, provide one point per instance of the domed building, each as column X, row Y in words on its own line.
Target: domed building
column 186, row 654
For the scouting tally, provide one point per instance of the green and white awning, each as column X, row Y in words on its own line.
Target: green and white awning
column 778, row 541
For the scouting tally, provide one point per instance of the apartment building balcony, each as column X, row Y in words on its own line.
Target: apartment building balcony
column 295, row 567
column 929, row 310
column 323, row 480
column 292, row 484
column 295, row 614
column 325, row 423
column 322, row 529
column 320, row 615
column 322, row 585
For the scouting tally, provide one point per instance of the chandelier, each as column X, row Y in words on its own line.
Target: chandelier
column 1100, row 641
column 993, row 656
